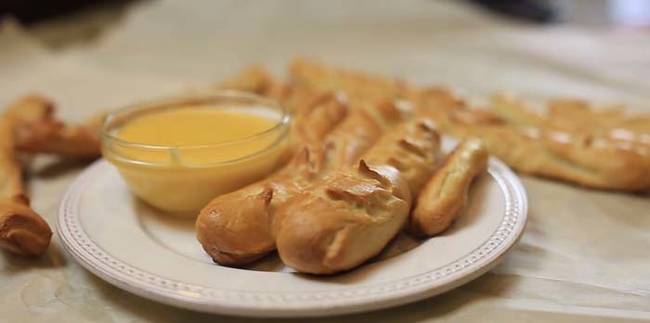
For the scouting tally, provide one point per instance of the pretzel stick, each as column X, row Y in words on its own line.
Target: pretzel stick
column 30, row 108
column 590, row 160
column 445, row 193
column 577, row 115
column 348, row 217
column 22, row 231
column 234, row 228
column 36, row 130
column 257, row 80
column 55, row 137
column 358, row 86
column 515, row 112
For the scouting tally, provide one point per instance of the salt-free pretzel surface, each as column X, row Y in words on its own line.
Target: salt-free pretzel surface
column 561, row 143
column 55, row 137
column 234, row 228
column 36, row 130
column 357, row 85
column 236, row 235
column 340, row 222
column 256, row 79
column 445, row 194
column 592, row 159
column 22, row 231
column 30, row 108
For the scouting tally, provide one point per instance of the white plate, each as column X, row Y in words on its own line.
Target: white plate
column 130, row 245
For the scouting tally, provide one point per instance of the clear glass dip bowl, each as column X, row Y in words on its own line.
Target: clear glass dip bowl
column 182, row 179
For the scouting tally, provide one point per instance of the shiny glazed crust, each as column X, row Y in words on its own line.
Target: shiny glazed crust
column 445, row 194
column 340, row 222
column 602, row 149
column 235, row 228
column 602, row 153
column 54, row 137
column 22, row 231
column 358, row 86
column 36, row 130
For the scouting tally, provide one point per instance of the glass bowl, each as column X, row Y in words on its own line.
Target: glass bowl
column 182, row 179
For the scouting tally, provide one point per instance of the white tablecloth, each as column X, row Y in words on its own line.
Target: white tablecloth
column 585, row 254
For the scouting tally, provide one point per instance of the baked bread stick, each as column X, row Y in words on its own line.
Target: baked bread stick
column 340, row 222
column 36, row 130
column 235, row 235
column 22, row 231
column 445, row 194
column 233, row 227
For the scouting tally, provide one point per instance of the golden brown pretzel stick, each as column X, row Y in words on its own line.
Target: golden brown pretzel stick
column 588, row 160
column 22, row 231
column 256, row 79
column 431, row 102
column 598, row 161
column 435, row 103
column 637, row 124
column 515, row 112
column 562, row 114
column 233, row 227
column 445, row 194
column 531, row 143
column 30, row 108
column 578, row 118
column 340, row 222
column 578, row 115
column 36, row 130
column 357, row 85
column 233, row 235
column 253, row 79
column 581, row 120
column 55, row 137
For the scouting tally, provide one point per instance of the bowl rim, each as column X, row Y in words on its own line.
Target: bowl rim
column 189, row 99
column 109, row 137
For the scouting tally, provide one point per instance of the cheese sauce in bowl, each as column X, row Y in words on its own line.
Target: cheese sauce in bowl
column 178, row 154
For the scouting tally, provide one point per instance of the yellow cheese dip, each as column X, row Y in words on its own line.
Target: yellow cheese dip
column 179, row 155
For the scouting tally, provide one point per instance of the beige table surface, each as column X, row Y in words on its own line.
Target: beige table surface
column 585, row 255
